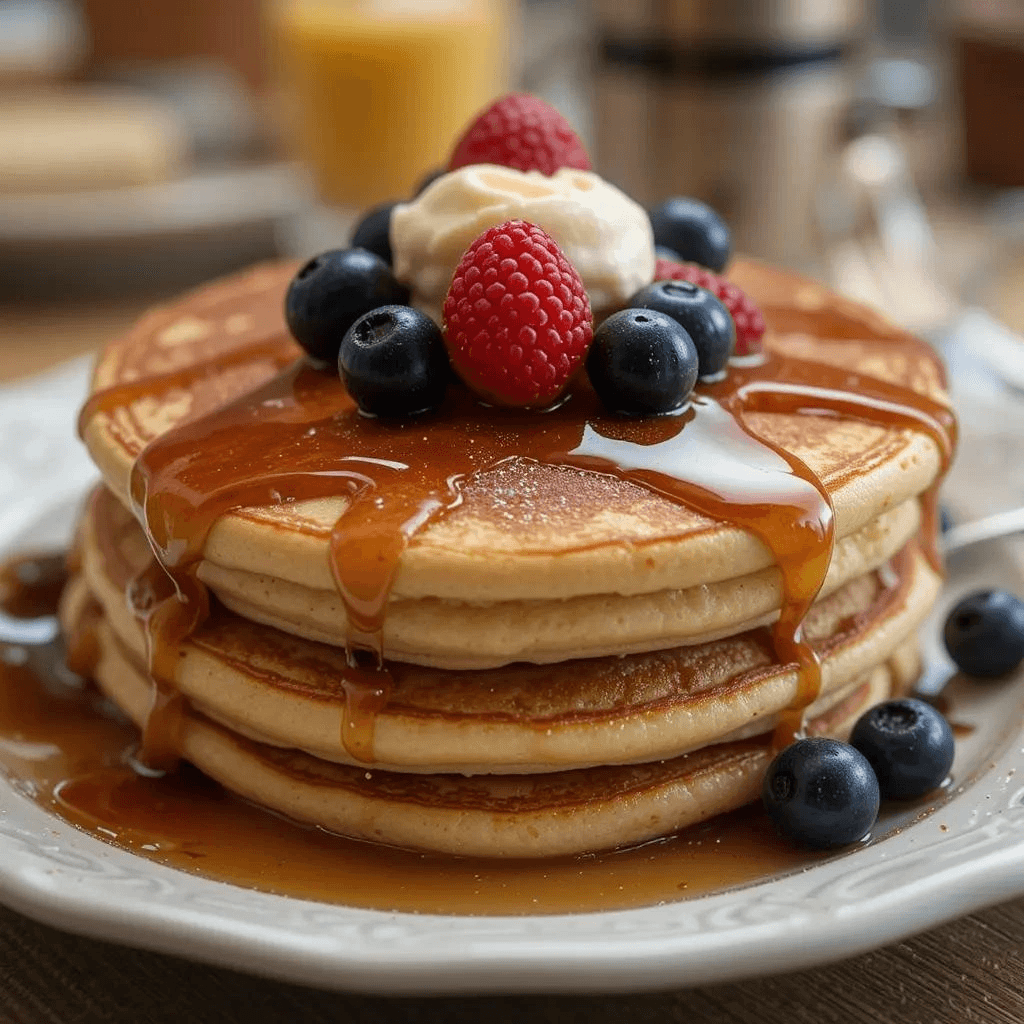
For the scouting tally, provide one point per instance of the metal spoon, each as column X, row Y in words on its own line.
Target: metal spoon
column 1002, row 524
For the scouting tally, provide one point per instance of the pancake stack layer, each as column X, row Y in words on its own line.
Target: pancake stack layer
column 591, row 629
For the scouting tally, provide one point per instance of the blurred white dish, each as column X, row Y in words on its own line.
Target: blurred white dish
column 206, row 201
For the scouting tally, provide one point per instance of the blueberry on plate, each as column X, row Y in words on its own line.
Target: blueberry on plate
column 908, row 744
column 373, row 232
column 821, row 793
column 692, row 230
column 393, row 362
column 331, row 292
column 984, row 634
column 705, row 318
column 642, row 362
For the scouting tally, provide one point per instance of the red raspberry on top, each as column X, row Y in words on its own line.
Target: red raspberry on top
column 745, row 315
column 517, row 319
column 524, row 132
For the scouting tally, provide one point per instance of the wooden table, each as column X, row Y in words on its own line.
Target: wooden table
column 969, row 971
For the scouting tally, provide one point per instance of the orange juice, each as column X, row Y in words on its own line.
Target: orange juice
column 380, row 89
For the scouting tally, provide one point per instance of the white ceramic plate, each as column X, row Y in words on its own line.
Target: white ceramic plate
column 923, row 868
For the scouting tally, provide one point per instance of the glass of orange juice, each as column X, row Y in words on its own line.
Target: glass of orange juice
column 377, row 91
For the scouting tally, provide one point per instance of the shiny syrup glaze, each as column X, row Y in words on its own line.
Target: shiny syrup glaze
column 67, row 748
column 299, row 436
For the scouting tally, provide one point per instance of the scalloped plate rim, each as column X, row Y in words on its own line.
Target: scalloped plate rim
column 560, row 953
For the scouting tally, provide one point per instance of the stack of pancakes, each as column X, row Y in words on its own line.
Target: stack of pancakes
column 575, row 662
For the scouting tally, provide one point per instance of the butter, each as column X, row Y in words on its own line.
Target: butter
column 603, row 233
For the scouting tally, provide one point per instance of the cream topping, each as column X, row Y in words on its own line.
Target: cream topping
column 603, row 233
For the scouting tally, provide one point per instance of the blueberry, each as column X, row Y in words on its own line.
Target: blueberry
column 642, row 362
column 331, row 292
column 394, row 363
column 908, row 744
column 984, row 634
column 821, row 793
column 373, row 232
column 693, row 231
column 705, row 318
column 663, row 252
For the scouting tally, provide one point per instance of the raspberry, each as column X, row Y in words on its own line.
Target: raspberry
column 523, row 132
column 517, row 320
column 745, row 315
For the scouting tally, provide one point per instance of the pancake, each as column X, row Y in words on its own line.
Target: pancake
column 522, row 530
column 271, row 686
column 444, row 633
column 504, row 632
column 522, row 816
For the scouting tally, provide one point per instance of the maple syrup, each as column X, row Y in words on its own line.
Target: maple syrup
column 70, row 750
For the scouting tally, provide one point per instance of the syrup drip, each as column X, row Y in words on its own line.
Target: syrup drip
column 726, row 468
column 299, row 436
column 82, row 653
column 804, row 387
column 367, row 692
column 169, row 610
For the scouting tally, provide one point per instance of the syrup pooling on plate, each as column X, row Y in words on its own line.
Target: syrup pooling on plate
column 31, row 584
column 298, row 436
column 65, row 747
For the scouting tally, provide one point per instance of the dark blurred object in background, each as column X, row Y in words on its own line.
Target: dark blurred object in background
column 736, row 102
column 990, row 45
column 158, row 30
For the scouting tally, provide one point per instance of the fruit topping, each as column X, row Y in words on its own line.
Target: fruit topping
column 393, row 362
column 373, row 232
column 745, row 315
column 694, row 231
column 524, row 132
column 821, row 793
column 331, row 292
column 984, row 634
column 517, row 318
column 642, row 362
column 705, row 318
column 908, row 744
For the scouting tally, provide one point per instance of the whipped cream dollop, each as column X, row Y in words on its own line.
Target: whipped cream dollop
column 603, row 233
